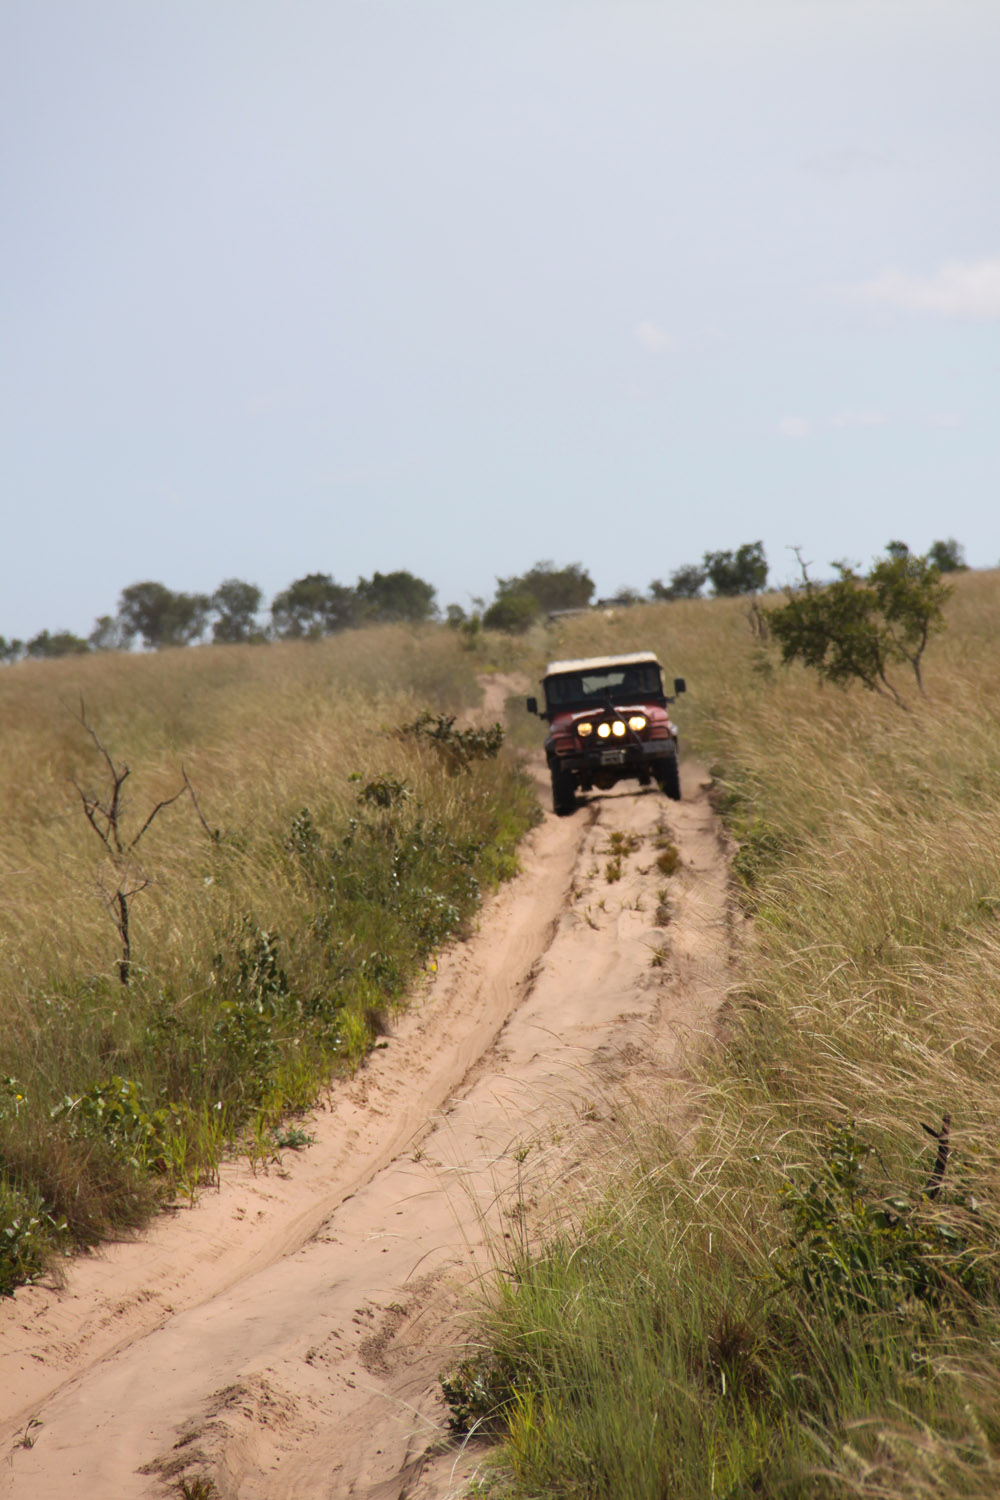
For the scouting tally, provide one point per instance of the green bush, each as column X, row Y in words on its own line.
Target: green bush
column 28, row 1235
column 457, row 747
column 854, row 1248
column 116, row 1111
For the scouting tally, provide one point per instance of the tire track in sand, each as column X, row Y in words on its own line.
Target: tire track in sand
column 285, row 1336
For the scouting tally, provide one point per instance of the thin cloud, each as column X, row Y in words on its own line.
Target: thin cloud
column 858, row 419
column 654, row 339
column 791, row 426
column 844, row 161
column 960, row 289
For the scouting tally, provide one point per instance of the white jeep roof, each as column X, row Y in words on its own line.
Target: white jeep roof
column 601, row 663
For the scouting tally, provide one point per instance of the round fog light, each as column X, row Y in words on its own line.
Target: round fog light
column 618, row 728
column 604, row 730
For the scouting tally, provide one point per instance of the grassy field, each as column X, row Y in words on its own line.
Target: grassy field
column 802, row 1300
column 275, row 916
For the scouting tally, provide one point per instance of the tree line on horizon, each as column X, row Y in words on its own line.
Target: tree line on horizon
column 316, row 605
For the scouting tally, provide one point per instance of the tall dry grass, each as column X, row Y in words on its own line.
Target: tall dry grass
column 260, row 732
column 793, row 1305
column 272, row 925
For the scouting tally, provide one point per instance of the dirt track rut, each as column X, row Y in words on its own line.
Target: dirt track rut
column 284, row 1337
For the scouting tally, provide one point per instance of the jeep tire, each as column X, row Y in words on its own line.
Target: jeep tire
column 668, row 774
column 563, row 791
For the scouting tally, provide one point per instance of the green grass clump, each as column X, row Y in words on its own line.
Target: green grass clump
column 768, row 1341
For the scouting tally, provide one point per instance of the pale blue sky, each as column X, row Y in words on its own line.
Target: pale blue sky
column 448, row 285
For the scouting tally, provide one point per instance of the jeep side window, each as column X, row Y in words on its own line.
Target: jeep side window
column 563, row 690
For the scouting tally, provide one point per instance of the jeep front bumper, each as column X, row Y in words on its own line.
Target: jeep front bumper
column 637, row 756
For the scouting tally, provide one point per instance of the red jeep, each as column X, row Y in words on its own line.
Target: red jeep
column 608, row 721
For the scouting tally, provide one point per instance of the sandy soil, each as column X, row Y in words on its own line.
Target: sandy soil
column 283, row 1337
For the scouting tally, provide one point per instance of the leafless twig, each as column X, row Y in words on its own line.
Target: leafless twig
column 937, row 1171
column 158, row 808
column 215, row 834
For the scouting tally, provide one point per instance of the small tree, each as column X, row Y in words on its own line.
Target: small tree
column 313, row 606
column 389, row 597
column 513, row 612
column 160, row 616
column 855, row 629
column 62, row 643
column 236, row 605
column 10, row 651
column 948, row 556
column 552, row 588
column 105, row 814
column 109, row 634
column 543, row 589
column 686, row 582
column 910, row 598
column 741, row 572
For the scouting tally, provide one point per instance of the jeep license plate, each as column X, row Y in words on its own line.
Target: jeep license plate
column 612, row 757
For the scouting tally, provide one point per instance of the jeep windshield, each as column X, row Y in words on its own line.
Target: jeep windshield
column 592, row 688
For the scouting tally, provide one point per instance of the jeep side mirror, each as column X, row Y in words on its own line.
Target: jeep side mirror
column 680, row 686
column 532, row 705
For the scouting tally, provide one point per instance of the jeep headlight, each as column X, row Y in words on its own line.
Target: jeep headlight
column 637, row 722
column 584, row 729
column 604, row 730
column 618, row 728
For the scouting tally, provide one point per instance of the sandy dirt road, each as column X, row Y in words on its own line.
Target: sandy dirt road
column 283, row 1337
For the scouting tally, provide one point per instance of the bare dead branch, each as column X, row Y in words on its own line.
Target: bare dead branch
column 90, row 806
column 112, row 812
column 125, row 962
column 82, row 716
column 158, row 808
column 215, row 834
column 123, row 888
column 803, row 567
column 936, row 1178
column 118, row 906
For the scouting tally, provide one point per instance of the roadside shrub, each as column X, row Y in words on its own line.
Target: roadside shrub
column 117, row 1111
column 28, row 1234
column 384, row 791
column 478, row 1392
column 852, row 1248
column 457, row 747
